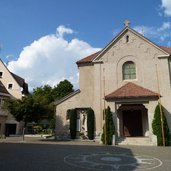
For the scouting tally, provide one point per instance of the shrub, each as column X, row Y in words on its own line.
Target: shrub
column 110, row 128
column 90, row 124
column 73, row 123
column 157, row 127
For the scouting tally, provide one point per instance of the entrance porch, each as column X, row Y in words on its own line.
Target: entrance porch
column 134, row 110
column 133, row 121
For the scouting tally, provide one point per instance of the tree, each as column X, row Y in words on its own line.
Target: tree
column 24, row 110
column 157, row 127
column 43, row 93
column 108, row 128
column 46, row 95
column 62, row 89
column 43, row 96
column 39, row 105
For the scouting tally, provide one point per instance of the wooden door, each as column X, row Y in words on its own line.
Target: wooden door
column 132, row 123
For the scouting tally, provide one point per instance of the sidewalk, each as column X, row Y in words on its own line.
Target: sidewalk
column 38, row 139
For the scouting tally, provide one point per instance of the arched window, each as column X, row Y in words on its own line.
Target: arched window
column 129, row 70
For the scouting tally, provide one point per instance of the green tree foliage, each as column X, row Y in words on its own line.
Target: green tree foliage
column 73, row 122
column 25, row 110
column 43, row 95
column 46, row 95
column 157, row 127
column 90, row 124
column 62, row 89
column 109, row 126
column 39, row 105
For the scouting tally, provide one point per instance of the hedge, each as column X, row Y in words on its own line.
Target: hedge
column 110, row 127
column 157, row 127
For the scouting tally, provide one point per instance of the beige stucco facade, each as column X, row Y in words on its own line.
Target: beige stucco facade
column 104, row 74
column 14, row 86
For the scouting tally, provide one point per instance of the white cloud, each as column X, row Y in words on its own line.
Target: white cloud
column 166, row 5
column 145, row 30
column 51, row 59
column 165, row 26
column 61, row 30
column 161, row 33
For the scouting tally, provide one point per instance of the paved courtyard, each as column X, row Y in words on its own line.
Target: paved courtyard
column 35, row 154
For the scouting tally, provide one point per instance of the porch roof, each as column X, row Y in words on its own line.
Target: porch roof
column 131, row 91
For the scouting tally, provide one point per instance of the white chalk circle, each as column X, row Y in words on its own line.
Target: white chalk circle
column 114, row 159
column 113, row 162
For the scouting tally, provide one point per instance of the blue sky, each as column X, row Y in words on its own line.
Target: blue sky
column 46, row 37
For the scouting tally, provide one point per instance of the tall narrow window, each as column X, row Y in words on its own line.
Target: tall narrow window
column 129, row 70
column 127, row 38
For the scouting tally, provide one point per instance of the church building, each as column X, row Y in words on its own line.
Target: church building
column 129, row 75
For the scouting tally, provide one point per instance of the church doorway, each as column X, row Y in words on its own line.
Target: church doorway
column 133, row 120
column 132, row 123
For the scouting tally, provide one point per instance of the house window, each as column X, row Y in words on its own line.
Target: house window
column 129, row 70
column 1, row 74
column 10, row 86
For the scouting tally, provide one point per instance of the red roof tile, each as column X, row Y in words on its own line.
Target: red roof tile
column 167, row 49
column 131, row 91
column 89, row 58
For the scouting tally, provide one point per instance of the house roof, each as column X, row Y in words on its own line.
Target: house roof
column 3, row 90
column 21, row 83
column 19, row 80
column 131, row 91
column 96, row 55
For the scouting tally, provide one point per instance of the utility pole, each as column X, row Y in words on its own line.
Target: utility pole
column 104, row 106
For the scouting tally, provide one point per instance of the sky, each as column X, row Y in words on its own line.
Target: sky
column 40, row 40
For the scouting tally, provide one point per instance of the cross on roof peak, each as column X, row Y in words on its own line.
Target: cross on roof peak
column 126, row 23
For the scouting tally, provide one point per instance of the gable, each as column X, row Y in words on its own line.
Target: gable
column 130, row 43
column 9, row 78
column 136, row 42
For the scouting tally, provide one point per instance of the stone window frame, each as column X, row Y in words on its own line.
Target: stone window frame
column 129, row 70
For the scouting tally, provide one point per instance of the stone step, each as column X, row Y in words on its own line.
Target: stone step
column 134, row 141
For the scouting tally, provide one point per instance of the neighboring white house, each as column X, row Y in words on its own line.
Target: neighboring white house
column 129, row 75
column 11, row 86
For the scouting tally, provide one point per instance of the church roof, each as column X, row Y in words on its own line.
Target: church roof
column 131, row 91
column 167, row 49
column 66, row 97
column 89, row 58
column 96, row 55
